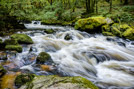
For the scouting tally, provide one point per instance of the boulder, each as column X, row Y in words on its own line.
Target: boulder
column 23, row 79
column 56, row 82
column 68, row 37
column 2, row 71
column 17, row 48
column 22, row 38
column 120, row 30
column 92, row 23
column 129, row 34
column 10, row 42
column 49, row 31
column 43, row 57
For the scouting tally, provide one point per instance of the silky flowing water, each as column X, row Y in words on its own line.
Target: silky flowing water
column 107, row 61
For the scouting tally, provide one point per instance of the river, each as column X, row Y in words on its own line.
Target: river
column 107, row 61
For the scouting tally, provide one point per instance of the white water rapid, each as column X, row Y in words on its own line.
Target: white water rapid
column 106, row 61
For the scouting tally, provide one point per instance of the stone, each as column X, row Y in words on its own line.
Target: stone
column 2, row 71
column 22, row 38
column 43, row 57
column 49, row 31
column 17, row 48
column 92, row 23
column 56, row 82
column 23, row 79
column 10, row 42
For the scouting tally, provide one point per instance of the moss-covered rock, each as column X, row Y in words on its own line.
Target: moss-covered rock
column 52, row 82
column 68, row 37
column 10, row 42
column 129, row 34
column 22, row 38
column 49, row 31
column 2, row 71
column 92, row 23
column 43, row 57
column 23, row 79
column 120, row 30
column 17, row 48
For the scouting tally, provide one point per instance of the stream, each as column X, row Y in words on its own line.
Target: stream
column 106, row 61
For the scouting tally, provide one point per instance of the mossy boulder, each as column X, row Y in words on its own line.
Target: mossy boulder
column 68, row 37
column 129, row 34
column 22, row 38
column 120, row 30
column 17, row 48
column 10, row 42
column 23, row 79
column 49, row 31
column 43, row 57
column 2, row 71
column 113, row 30
column 52, row 82
column 92, row 23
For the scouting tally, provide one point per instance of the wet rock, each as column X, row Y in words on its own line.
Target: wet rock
column 49, row 31
column 33, row 49
column 121, row 44
column 46, row 67
column 7, row 81
column 92, row 23
column 10, row 42
column 22, row 38
column 8, row 65
column 17, row 48
column 110, row 39
column 3, row 56
column 129, row 34
column 2, row 71
column 120, row 30
column 111, row 30
column 55, row 82
column 43, row 57
column 23, row 79
column 68, row 37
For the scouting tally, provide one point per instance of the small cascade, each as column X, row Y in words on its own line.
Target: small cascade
column 106, row 61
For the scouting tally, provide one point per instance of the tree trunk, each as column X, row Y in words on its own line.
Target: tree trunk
column 125, row 2
column 110, row 10
column 90, row 6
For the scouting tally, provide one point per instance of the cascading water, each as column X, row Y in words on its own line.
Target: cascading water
column 106, row 61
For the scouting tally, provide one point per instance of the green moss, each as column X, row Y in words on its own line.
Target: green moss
column 43, row 57
column 10, row 42
column 116, row 31
column 1, row 41
column 129, row 34
column 2, row 71
column 17, row 48
column 44, row 82
column 22, row 38
column 124, row 27
column 49, row 31
column 107, row 34
column 92, row 23
column 23, row 79
column 105, row 28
